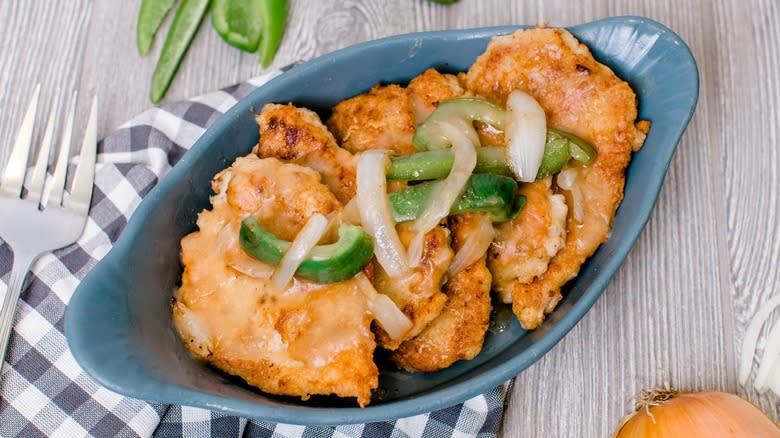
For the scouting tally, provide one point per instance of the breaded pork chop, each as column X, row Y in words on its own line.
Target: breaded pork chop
column 310, row 339
column 459, row 331
column 297, row 135
column 581, row 96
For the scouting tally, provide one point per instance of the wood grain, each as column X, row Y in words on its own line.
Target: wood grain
column 708, row 258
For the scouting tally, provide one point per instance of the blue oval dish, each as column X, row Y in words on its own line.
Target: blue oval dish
column 118, row 322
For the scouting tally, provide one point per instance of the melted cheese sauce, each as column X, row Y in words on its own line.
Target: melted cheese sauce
column 222, row 312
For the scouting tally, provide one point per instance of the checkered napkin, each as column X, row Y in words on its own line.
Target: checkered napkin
column 43, row 391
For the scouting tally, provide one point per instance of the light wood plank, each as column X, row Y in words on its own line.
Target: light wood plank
column 707, row 260
column 749, row 132
column 39, row 44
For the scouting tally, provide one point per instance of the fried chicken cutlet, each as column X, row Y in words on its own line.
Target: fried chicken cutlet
column 310, row 339
column 581, row 96
column 458, row 333
column 297, row 135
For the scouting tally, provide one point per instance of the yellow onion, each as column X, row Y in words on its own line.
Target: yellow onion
column 662, row 413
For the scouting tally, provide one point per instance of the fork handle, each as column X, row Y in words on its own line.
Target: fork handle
column 21, row 266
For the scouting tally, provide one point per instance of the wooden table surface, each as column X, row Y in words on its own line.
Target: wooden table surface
column 709, row 256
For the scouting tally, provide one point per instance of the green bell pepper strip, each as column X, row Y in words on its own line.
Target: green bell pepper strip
column 437, row 164
column 492, row 194
column 238, row 22
column 188, row 17
column 150, row 18
column 274, row 17
column 559, row 148
column 556, row 155
column 325, row 264
column 580, row 149
column 470, row 109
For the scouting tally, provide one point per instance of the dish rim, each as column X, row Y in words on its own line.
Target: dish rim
column 434, row 398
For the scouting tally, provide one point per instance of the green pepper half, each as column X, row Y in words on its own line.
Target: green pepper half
column 274, row 17
column 326, row 263
column 150, row 18
column 238, row 22
column 185, row 24
column 492, row 194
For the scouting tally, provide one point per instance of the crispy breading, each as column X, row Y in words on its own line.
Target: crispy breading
column 417, row 293
column 309, row 339
column 429, row 89
column 385, row 118
column 524, row 246
column 297, row 135
column 382, row 118
column 581, row 96
column 459, row 331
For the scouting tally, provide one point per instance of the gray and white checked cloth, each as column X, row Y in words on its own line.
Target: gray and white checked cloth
column 43, row 391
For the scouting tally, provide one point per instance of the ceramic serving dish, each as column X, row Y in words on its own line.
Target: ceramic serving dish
column 118, row 322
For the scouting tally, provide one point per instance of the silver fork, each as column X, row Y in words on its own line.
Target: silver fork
column 47, row 218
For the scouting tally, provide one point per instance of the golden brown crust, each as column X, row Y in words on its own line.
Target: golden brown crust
column 283, row 208
column 310, row 339
column 459, row 331
column 429, row 89
column 524, row 246
column 580, row 96
column 297, row 135
column 417, row 293
column 383, row 118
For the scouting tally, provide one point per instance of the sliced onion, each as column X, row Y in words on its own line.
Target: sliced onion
column 447, row 190
column 250, row 267
column 375, row 215
column 526, row 133
column 567, row 180
column 475, row 246
column 307, row 238
column 751, row 337
column 351, row 212
column 227, row 239
column 385, row 311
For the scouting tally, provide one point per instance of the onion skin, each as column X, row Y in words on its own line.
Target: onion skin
column 666, row 414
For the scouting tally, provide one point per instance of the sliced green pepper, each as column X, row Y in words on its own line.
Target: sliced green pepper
column 150, row 18
column 560, row 146
column 469, row 109
column 238, row 22
column 580, row 149
column 492, row 194
column 556, row 155
column 188, row 17
column 326, row 263
column 274, row 17
column 437, row 164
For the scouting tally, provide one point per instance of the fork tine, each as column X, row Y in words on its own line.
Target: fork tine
column 56, row 184
column 39, row 172
column 13, row 176
column 81, row 193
